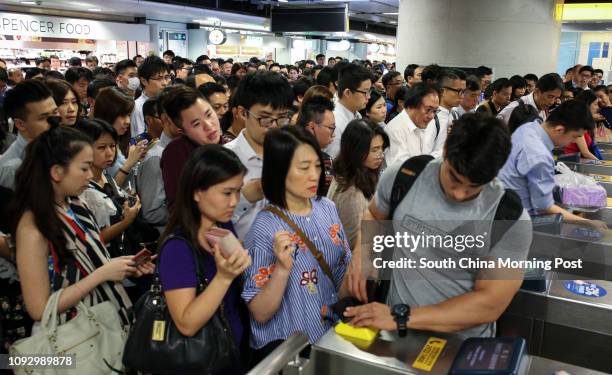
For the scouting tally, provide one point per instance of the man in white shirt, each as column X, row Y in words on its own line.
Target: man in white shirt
column 548, row 90
column 30, row 104
column 584, row 77
column 470, row 97
column 154, row 75
column 413, row 131
column 354, row 88
column 264, row 99
column 452, row 84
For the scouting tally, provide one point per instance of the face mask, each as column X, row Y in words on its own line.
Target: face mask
column 133, row 83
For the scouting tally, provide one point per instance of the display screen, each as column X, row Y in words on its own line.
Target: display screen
column 309, row 19
column 489, row 355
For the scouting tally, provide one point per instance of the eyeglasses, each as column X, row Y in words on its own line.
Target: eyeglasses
column 433, row 111
column 167, row 77
column 268, row 122
column 366, row 93
column 458, row 91
column 332, row 128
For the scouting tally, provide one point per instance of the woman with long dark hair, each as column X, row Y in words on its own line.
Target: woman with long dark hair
column 115, row 106
column 357, row 170
column 107, row 201
column 376, row 109
column 67, row 101
column 58, row 240
column 208, row 192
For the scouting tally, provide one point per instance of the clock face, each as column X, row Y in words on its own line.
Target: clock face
column 216, row 37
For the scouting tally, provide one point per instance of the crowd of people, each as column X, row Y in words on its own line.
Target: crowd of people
column 97, row 164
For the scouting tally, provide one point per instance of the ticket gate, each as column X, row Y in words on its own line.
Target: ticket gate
column 563, row 324
column 560, row 321
column 576, row 242
column 605, row 147
column 417, row 353
column 604, row 167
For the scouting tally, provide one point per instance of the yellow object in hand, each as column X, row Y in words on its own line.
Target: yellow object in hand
column 361, row 337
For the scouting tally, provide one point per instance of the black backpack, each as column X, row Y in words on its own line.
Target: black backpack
column 508, row 211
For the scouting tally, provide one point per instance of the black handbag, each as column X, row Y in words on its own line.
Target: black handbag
column 155, row 345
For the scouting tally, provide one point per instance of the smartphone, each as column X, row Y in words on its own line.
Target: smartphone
column 140, row 137
column 142, row 257
column 228, row 243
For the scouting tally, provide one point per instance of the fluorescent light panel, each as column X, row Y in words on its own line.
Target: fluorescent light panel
column 587, row 12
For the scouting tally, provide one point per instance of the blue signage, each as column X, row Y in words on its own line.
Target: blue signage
column 585, row 288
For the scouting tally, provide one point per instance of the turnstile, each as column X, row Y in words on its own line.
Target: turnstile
column 562, row 325
column 391, row 354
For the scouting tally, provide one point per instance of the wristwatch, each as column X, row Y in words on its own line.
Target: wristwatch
column 401, row 315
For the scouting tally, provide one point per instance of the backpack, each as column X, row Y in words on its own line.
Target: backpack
column 509, row 210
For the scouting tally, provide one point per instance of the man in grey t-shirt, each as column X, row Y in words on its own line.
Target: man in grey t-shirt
column 453, row 195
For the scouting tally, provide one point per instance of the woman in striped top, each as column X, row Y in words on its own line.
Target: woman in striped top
column 286, row 287
column 58, row 240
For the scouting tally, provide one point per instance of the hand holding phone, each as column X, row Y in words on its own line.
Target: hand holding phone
column 142, row 257
column 139, row 138
column 228, row 243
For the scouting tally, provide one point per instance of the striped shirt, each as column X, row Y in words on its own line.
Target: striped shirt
column 308, row 288
column 83, row 241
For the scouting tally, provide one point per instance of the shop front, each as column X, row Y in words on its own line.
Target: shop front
column 24, row 37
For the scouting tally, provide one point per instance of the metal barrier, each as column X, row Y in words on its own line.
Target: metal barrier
column 285, row 354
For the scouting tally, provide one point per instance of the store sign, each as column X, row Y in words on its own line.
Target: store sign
column 251, row 41
column 227, row 50
column 250, row 51
column 56, row 27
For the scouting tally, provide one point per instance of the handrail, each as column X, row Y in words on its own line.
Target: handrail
column 283, row 354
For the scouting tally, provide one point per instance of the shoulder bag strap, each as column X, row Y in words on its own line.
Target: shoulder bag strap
column 315, row 252
column 405, row 178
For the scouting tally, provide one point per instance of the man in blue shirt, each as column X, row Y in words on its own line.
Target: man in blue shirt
column 530, row 169
column 392, row 82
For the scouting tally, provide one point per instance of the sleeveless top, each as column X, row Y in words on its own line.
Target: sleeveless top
column 88, row 253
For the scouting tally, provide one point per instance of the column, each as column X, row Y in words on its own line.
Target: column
column 511, row 36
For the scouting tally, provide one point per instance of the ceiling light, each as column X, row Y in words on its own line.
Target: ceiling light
column 283, row 1
column 28, row 2
column 94, row 10
column 393, row 22
column 391, row 14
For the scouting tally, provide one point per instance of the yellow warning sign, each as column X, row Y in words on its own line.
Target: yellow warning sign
column 429, row 354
